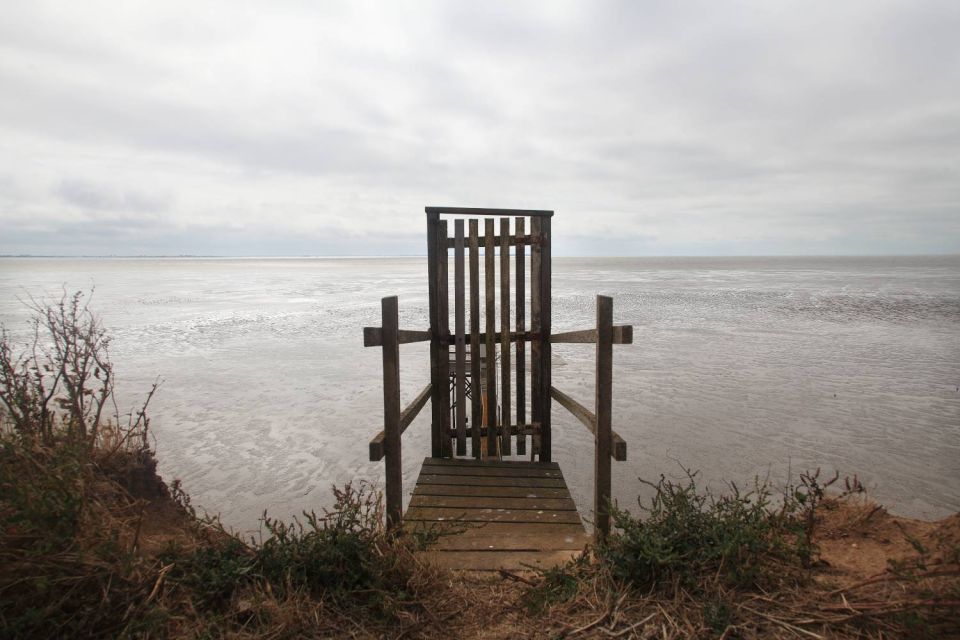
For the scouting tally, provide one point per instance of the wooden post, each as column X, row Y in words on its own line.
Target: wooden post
column 536, row 408
column 443, row 313
column 521, row 348
column 461, row 347
column 438, row 385
column 604, row 405
column 476, row 402
column 391, row 411
column 505, row 374
column 491, row 378
column 540, row 301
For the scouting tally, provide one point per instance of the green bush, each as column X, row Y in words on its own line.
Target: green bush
column 687, row 535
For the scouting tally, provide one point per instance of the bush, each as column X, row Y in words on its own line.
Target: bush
column 688, row 535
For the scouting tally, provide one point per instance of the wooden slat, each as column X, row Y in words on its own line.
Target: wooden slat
column 496, row 560
column 545, row 541
column 559, row 532
column 492, row 515
column 461, row 347
column 536, row 253
column 490, row 464
column 483, row 211
column 506, row 437
column 604, row 400
column 476, row 402
column 406, row 417
column 444, row 316
column 472, row 502
column 493, row 472
column 480, row 481
column 520, row 312
column 622, row 334
column 589, row 420
column 372, row 336
column 390, row 318
column 438, row 386
column 490, row 491
column 490, row 382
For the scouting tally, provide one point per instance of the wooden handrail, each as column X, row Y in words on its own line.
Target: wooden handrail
column 622, row 334
column 618, row 449
column 373, row 336
column 406, row 417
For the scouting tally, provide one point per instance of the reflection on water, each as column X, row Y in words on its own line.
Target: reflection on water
column 740, row 367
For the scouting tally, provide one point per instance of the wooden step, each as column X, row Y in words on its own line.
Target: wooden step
column 496, row 515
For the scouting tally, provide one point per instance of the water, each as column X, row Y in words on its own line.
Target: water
column 739, row 367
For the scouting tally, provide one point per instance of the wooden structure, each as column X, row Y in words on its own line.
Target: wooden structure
column 477, row 424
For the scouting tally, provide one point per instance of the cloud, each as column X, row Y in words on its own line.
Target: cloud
column 681, row 127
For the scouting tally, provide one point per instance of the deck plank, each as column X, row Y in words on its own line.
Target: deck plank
column 492, row 502
column 496, row 514
column 497, row 472
column 490, row 492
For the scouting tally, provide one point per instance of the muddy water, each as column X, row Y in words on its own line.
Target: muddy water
column 740, row 367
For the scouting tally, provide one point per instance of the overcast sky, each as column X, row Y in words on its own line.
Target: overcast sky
column 324, row 128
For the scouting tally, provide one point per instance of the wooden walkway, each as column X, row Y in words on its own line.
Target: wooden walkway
column 510, row 515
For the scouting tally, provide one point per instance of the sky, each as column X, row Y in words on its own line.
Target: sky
column 324, row 128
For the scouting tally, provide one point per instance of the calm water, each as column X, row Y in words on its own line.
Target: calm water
column 740, row 366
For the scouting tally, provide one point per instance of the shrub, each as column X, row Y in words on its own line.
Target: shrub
column 689, row 534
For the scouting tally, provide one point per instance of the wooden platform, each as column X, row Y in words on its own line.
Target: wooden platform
column 510, row 515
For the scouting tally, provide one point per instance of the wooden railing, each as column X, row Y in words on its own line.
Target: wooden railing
column 607, row 442
column 386, row 444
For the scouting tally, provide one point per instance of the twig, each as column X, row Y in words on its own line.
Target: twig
column 512, row 576
column 591, row 625
column 783, row 623
column 887, row 577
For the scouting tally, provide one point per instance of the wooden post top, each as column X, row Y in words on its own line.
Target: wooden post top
column 481, row 211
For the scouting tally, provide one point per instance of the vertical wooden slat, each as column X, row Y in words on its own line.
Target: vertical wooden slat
column 438, row 386
column 521, row 347
column 444, row 315
column 476, row 402
column 391, row 410
column 460, row 339
column 491, row 380
column 505, row 373
column 604, row 401
column 535, row 260
column 546, row 440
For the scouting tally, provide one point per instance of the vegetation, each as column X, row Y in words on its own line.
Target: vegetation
column 93, row 544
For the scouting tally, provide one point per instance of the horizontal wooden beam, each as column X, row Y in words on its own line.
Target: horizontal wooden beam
column 406, row 417
column 622, row 334
column 529, row 429
column 373, row 336
column 515, row 241
column 482, row 211
column 514, row 336
column 619, row 449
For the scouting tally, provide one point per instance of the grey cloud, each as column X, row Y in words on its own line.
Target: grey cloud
column 689, row 127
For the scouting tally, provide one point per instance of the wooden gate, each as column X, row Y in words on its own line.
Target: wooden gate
column 473, row 413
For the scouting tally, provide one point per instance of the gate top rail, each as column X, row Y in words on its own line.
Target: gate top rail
column 481, row 211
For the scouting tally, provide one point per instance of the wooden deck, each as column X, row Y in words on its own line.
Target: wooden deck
column 511, row 515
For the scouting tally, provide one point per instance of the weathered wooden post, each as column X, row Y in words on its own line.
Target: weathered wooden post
column 604, row 409
column 390, row 318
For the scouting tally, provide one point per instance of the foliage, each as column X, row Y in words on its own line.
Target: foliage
column 688, row 534
column 60, row 384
